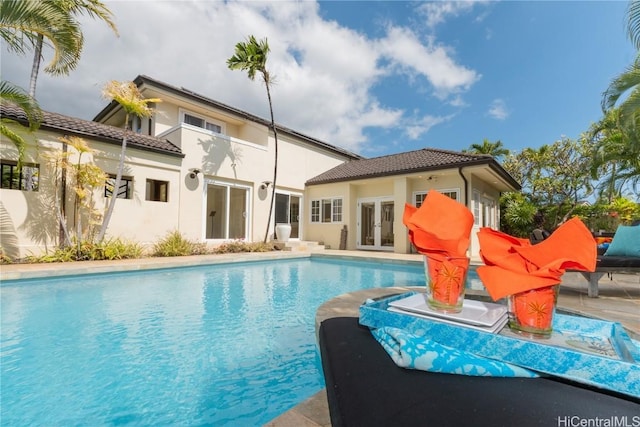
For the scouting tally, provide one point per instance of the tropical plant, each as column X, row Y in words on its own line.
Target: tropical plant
column 111, row 249
column 22, row 23
column 175, row 244
column 132, row 102
column 628, row 83
column 251, row 56
column 93, row 8
column 12, row 94
column 495, row 149
column 517, row 214
column 83, row 177
column 555, row 176
column 615, row 164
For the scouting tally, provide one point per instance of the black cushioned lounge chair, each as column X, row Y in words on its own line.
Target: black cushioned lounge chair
column 610, row 265
column 366, row 388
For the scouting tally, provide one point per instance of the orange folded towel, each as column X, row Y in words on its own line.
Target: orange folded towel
column 514, row 265
column 440, row 226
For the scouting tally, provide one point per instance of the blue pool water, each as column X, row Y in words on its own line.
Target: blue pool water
column 230, row 344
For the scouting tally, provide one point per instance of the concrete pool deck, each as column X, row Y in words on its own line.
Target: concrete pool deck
column 619, row 299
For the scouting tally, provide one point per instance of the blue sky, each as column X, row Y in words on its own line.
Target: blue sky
column 373, row 77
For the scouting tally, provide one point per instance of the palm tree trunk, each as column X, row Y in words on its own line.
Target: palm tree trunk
column 35, row 67
column 275, row 163
column 114, row 194
column 63, row 237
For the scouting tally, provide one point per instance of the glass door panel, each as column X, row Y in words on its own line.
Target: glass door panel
column 367, row 223
column 216, row 212
column 238, row 213
column 287, row 210
column 294, row 216
column 386, row 223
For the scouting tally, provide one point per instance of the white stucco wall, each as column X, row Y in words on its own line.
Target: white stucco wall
column 402, row 188
column 32, row 214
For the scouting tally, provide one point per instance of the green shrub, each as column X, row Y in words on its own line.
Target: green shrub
column 238, row 246
column 174, row 244
column 111, row 249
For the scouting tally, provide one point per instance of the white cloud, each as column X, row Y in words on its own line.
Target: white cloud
column 432, row 61
column 498, row 109
column 438, row 12
column 415, row 128
column 325, row 72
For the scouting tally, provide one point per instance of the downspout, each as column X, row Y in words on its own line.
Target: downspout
column 466, row 189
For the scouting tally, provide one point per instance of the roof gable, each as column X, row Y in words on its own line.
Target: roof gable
column 94, row 130
column 426, row 159
column 142, row 80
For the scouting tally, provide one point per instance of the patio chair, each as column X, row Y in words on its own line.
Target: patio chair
column 365, row 388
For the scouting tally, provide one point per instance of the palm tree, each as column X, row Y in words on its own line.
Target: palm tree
column 628, row 83
column 251, row 56
column 93, row 8
column 12, row 94
column 131, row 100
column 614, row 163
column 494, row 149
column 22, row 23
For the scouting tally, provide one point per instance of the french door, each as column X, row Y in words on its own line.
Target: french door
column 375, row 223
column 287, row 210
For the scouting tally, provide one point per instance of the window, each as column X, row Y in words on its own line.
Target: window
column 157, row 191
column 315, row 211
column 326, row 210
column 420, row 196
column 126, row 187
column 25, row 179
column 476, row 208
column 200, row 122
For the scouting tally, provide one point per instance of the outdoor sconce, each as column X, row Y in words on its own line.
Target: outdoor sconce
column 265, row 185
column 194, row 173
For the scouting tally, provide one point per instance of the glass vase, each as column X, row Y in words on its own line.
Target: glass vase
column 531, row 312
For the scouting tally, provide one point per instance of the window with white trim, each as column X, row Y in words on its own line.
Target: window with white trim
column 326, row 210
column 421, row 195
column 477, row 213
column 201, row 122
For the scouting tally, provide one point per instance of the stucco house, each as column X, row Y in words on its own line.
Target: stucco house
column 205, row 169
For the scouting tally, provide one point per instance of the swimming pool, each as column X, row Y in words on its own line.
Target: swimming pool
column 227, row 344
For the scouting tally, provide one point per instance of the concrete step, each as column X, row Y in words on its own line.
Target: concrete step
column 302, row 246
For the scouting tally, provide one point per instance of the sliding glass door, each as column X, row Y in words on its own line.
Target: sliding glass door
column 287, row 210
column 226, row 212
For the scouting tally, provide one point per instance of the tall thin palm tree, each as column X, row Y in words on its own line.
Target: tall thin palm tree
column 251, row 56
column 22, row 23
column 132, row 102
column 93, row 8
column 12, row 94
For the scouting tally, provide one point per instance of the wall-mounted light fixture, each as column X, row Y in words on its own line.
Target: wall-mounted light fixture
column 265, row 185
column 194, row 173
column 432, row 178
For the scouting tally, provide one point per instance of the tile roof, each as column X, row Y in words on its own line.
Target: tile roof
column 426, row 159
column 94, row 130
